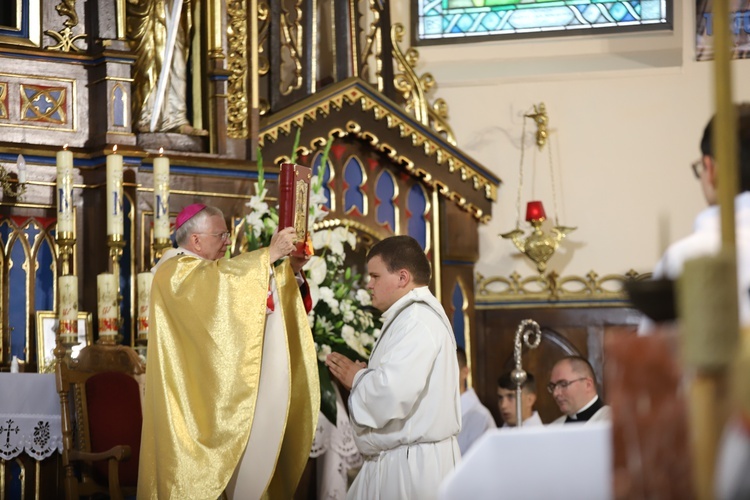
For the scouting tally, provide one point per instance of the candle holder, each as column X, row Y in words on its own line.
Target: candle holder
column 116, row 243
column 109, row 328
column 161, row 244
column 65, row 340
column 65, row 243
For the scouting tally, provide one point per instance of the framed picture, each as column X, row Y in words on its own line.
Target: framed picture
column 46, row 331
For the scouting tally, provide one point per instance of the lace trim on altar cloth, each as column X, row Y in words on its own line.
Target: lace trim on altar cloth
column 37, row 435
column 336, row 452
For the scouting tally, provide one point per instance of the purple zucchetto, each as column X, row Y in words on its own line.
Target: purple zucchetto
column 187, row 213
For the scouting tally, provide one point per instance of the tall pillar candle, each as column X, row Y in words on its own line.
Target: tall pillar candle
column 161, row 197
column 114, row 194
column 106, row 286
column 68, row 308
column 65, row 191
column 144, row 296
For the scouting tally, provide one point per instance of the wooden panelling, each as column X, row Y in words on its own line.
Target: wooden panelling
column 565, row 331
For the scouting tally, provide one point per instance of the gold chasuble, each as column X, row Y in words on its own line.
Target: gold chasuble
column 204, row 360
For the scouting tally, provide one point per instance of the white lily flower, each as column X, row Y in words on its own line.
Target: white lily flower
column 366, row 339
column 363, row 297
column 314, row 294
column 324, row 351
column 346, row 311
column 316, row 270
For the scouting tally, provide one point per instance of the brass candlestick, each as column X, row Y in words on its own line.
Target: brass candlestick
column 161, row 244
column 116, row 243
column 67, row 330
column 65, row 243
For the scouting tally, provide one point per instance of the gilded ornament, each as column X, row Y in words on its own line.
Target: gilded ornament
column 65, row 38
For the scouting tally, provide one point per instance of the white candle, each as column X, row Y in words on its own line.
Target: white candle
column 68, row 308
column 65, row 191
column 114, row 194
column 106, row 286
column 144, row 295
column 68, row 297
column 161, row 197
column 21, row 164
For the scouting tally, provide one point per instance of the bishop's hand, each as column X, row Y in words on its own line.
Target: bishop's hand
column 282, row 243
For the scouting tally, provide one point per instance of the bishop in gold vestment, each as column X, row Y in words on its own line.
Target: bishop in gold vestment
column 204, row 389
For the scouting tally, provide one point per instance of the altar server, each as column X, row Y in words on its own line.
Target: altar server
column 405, row 405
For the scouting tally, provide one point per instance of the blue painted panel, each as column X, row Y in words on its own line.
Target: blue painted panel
column 459, row 327
column 354, row 176
column 416, row 203
column 125, row 275
column 22, row 30
column 17, row 312
column 385, row 193
column 44, row 289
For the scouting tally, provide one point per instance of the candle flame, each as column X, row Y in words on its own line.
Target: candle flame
column 65, row 147
column 114, row 149
column 161, row 151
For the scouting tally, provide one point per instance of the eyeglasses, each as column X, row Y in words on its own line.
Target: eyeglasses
column 697, row 167
column 223, row 236
column 563, row 384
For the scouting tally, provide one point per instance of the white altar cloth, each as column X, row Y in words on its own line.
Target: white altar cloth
column 564, row 462
column 29, row 415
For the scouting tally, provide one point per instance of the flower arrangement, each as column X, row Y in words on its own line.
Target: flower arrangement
column 341, row 319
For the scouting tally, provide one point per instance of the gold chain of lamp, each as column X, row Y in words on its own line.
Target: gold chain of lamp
column 538, row 246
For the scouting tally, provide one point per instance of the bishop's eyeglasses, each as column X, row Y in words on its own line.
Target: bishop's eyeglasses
column 562, row 384
column 223, row 236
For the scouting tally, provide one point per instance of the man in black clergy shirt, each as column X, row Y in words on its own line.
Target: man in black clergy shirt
column 573, row 387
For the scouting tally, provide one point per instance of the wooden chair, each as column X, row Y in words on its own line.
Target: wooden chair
column 100, row 401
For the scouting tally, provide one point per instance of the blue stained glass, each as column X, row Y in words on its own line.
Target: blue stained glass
column 451, row 19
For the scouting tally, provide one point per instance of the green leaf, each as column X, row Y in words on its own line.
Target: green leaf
column 348, row 273
column 261, row 173
column 296, row 145
column 327, row 393
column 323, row 165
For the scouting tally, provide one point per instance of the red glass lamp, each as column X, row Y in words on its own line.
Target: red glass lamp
column 535, row 211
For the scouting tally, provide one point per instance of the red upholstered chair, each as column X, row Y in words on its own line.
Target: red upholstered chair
column 100, row 400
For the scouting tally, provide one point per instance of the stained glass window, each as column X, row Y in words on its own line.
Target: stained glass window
column 444, row 21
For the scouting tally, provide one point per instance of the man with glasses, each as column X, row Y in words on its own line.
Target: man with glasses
column 705, row 240
column 573, row 387
column 215, row 418
column 706, row 236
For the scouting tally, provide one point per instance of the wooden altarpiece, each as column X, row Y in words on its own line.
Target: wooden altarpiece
column 70, row 72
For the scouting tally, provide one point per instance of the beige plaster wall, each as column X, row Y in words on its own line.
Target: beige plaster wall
column 626, row 113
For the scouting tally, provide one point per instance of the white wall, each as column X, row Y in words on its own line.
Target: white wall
column 626, row 114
